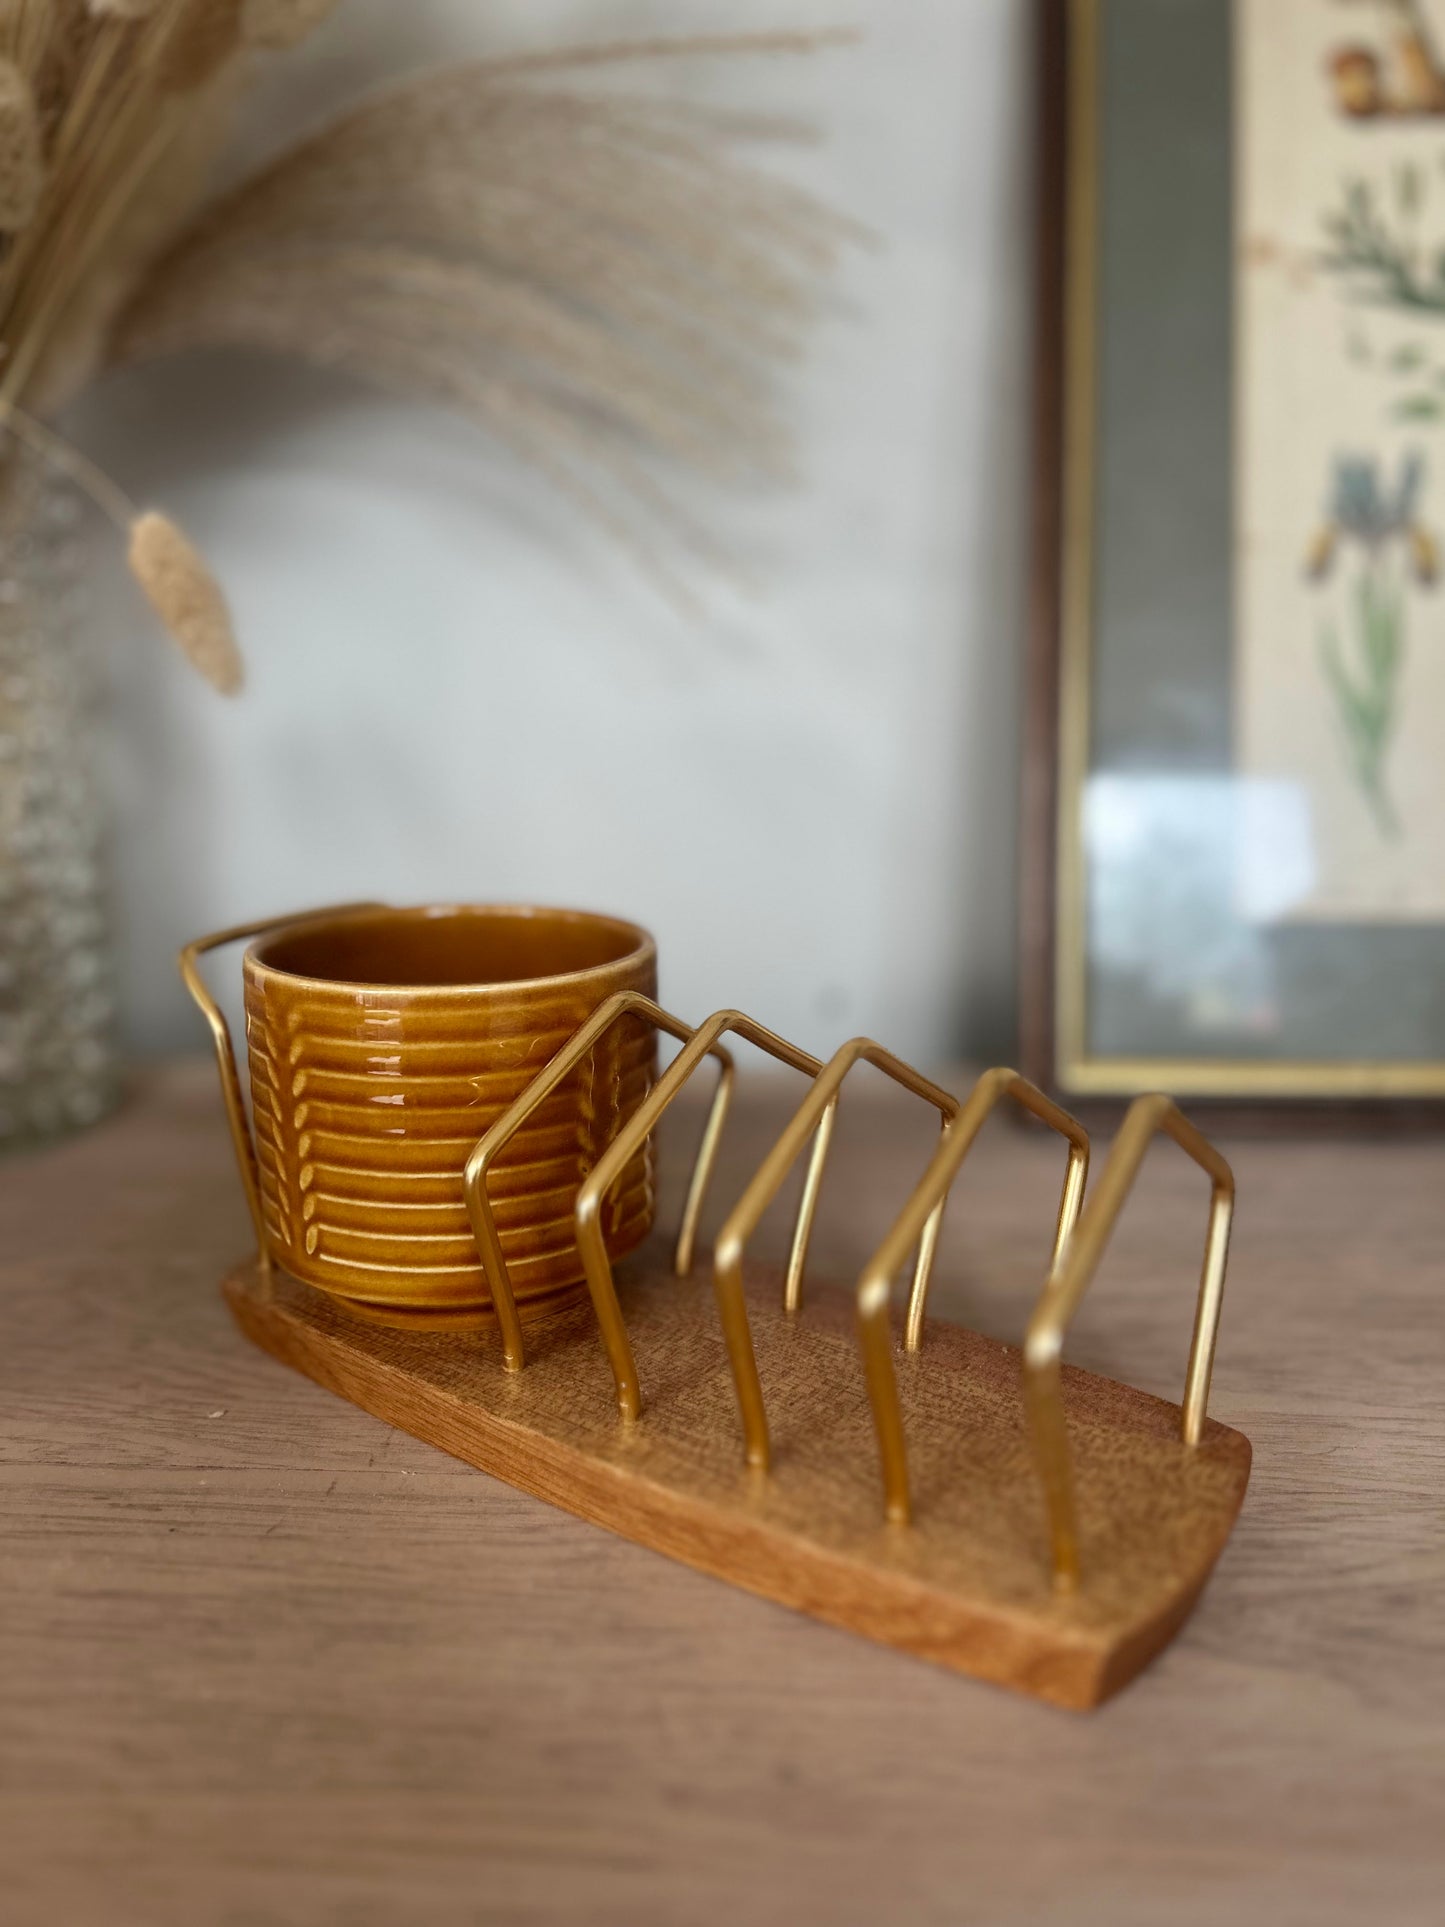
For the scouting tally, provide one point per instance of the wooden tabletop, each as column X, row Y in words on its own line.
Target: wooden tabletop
column 264, row 1660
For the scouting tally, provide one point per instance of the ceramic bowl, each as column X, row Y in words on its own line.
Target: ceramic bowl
column 382, row 1045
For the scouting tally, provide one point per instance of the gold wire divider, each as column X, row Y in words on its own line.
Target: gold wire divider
column 188, row 960
column 875, row 1287
column 699, row 1043
column 1070, row 1278
column 484, row 1154
column 814, row 1116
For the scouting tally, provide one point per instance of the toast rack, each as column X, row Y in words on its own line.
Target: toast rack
column 984, row 1506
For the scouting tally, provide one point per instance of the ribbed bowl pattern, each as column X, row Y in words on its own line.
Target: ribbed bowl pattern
column 368, row 1099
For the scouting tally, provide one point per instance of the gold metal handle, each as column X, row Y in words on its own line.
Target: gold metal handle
column 627, row 1003
column 876, row 1285
column 189, row 962
column 1070, row 1279
column 814, row 1116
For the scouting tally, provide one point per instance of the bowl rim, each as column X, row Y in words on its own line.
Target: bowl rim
column 643, row 951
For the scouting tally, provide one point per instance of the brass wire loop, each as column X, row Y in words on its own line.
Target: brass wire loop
column 736, row 1332
column 1070, row 1278
column 815, row 1116
column 188, row 961
column 697, row 1044
column 598, row 1269
column 875, row 1287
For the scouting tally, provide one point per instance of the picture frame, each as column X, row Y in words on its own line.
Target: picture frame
column 1160, row 947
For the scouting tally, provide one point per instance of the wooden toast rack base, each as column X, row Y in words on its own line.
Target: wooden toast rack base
column 967, row 1584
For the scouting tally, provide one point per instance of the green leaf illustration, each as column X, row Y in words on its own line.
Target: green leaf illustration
column 1365, row 700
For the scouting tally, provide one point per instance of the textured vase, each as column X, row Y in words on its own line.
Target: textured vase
column 58, row 1058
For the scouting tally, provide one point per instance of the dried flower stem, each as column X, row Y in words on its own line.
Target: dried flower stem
column 165, row 562
column 62, row 455
column 611, row 53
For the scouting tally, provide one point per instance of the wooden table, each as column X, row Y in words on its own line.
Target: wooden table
column 264, row 1660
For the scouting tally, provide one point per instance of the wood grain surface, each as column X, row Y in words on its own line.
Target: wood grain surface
column 263, row 1659
column 968, row 1583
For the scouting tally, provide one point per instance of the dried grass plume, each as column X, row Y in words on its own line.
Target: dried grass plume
column 187, row 598
column 124, row 9
column 603, row 278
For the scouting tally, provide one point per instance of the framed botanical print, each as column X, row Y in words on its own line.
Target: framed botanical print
column 1234, row 802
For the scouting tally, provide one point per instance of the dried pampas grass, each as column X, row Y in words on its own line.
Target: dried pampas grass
column 602, row 277
column 282, row 24
column 603, row 280
column 124, row 9
column 22, row 165
column 206, row 36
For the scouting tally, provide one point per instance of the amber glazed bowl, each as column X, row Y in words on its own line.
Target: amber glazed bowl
column 384, row 1043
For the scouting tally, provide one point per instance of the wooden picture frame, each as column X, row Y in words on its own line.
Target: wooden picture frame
column 1290, row 1092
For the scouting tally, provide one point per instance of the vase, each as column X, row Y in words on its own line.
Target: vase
column 59, row 1066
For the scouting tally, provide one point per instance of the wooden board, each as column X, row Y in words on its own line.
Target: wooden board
column 967, row 1584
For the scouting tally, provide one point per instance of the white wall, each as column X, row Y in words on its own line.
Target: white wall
column 456, row 692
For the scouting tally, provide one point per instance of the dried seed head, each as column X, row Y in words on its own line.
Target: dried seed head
column 22, row 167
column 187, row 598
column 205, row 37
column 282, row 23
